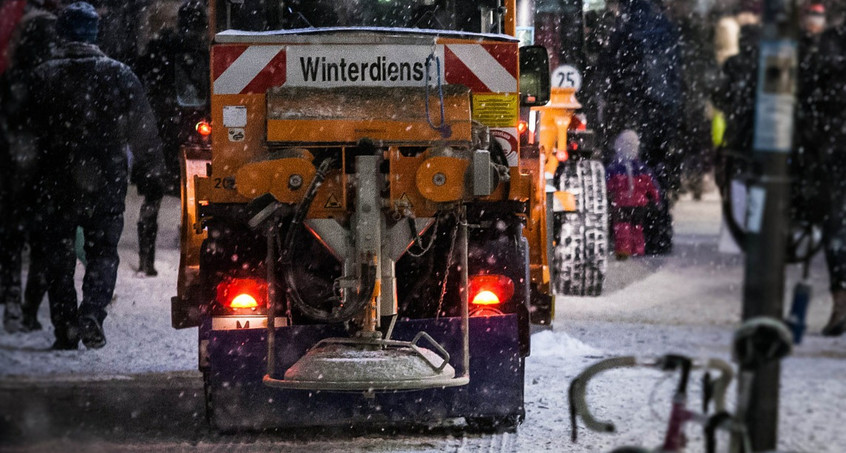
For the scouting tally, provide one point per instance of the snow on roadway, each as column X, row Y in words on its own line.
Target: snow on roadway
column 688, row 303
column 140, row 338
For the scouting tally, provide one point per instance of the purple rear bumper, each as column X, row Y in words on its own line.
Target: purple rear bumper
column 237, row 361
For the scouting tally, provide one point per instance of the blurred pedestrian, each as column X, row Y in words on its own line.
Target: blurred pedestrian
column 809, row 122
column 735, row 96
column 699, row 74
column 809, row 195
column 643, row 67
column 32, row 42
column 93, row 107
column 814, row 20
column 631, row 189
column 176, row 62
column 830, row 107
column 599, row 24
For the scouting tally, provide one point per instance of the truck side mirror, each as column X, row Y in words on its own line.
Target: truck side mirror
column 534, row 76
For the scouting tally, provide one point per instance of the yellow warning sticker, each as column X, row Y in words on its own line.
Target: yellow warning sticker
column 405, row 201
column 332, row 202
column 496, row 110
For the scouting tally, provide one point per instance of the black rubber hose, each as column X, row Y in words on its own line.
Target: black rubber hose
column 367, row 272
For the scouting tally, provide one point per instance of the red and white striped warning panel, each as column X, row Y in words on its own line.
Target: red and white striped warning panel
column 484, row 68
column 247, row 69
column 253, row 69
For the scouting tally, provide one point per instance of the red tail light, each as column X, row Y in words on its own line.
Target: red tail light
column 562, row 155
column 242, row 293
column 203, row 128
column 490, row 290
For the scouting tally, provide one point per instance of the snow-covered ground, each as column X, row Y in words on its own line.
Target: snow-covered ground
column 688, row 303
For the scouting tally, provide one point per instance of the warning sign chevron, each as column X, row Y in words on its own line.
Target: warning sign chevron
column 405, row 201
column 332, row 202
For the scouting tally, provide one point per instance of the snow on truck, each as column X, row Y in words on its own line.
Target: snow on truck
column 364, row 236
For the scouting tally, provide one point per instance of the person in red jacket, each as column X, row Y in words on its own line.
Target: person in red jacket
column 631, row 189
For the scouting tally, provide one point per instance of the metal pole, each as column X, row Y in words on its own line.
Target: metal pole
column 272, row 232
column 768, row 200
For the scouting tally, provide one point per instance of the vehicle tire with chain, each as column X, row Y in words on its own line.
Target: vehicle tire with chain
column 581, row 236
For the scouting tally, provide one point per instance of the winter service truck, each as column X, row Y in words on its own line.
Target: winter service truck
column 364, row 234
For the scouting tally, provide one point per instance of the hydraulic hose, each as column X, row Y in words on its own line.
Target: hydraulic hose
column 367, row 282
column 443, row 127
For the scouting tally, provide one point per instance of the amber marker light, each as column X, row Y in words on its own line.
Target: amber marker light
column 522, row 127
column 243, row 301
column 486, row 298
column 203, row 128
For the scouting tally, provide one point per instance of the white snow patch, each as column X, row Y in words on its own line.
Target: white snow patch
column 559, row 344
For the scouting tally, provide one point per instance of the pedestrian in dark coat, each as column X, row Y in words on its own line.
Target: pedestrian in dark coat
column 830, row 107
column 93, row 107
column 33, row 41
column 175, row 58
column 735, row 96
column 699, row 73
column 643, row 67
column 631, row 188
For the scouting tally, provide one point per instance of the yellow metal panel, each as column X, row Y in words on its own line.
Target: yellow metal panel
column 346, row 114
column 273, row 176
column 404, row 193
column 192, row 164
column 496, row 110
column 229, row 156
column 535, row 230
column 331, row 199
column 520, row 185
column 554, row 121
column 350, row 131
column 567, row 200
column 510, row 27
column 441, row 178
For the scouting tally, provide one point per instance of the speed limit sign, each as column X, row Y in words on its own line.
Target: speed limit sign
column 566, row 76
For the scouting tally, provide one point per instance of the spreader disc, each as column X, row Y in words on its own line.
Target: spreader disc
column 365, row 367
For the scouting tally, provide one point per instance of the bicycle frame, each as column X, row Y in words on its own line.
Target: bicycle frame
column 680, row 415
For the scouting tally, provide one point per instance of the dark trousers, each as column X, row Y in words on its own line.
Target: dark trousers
column 11, row 245
column 102, row 230
column 834, row 226
column 14, row 233
column 148, row 228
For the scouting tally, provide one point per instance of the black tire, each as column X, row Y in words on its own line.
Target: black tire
column 581, row 237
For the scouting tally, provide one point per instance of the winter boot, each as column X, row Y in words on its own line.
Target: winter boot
column 36, row 288
column 837, row 323
column 92, row 333
column 30, row 318
column 13, row 317
column 67, row 339
column 147, row 248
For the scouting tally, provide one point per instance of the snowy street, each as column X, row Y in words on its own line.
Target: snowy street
column 686, row 303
